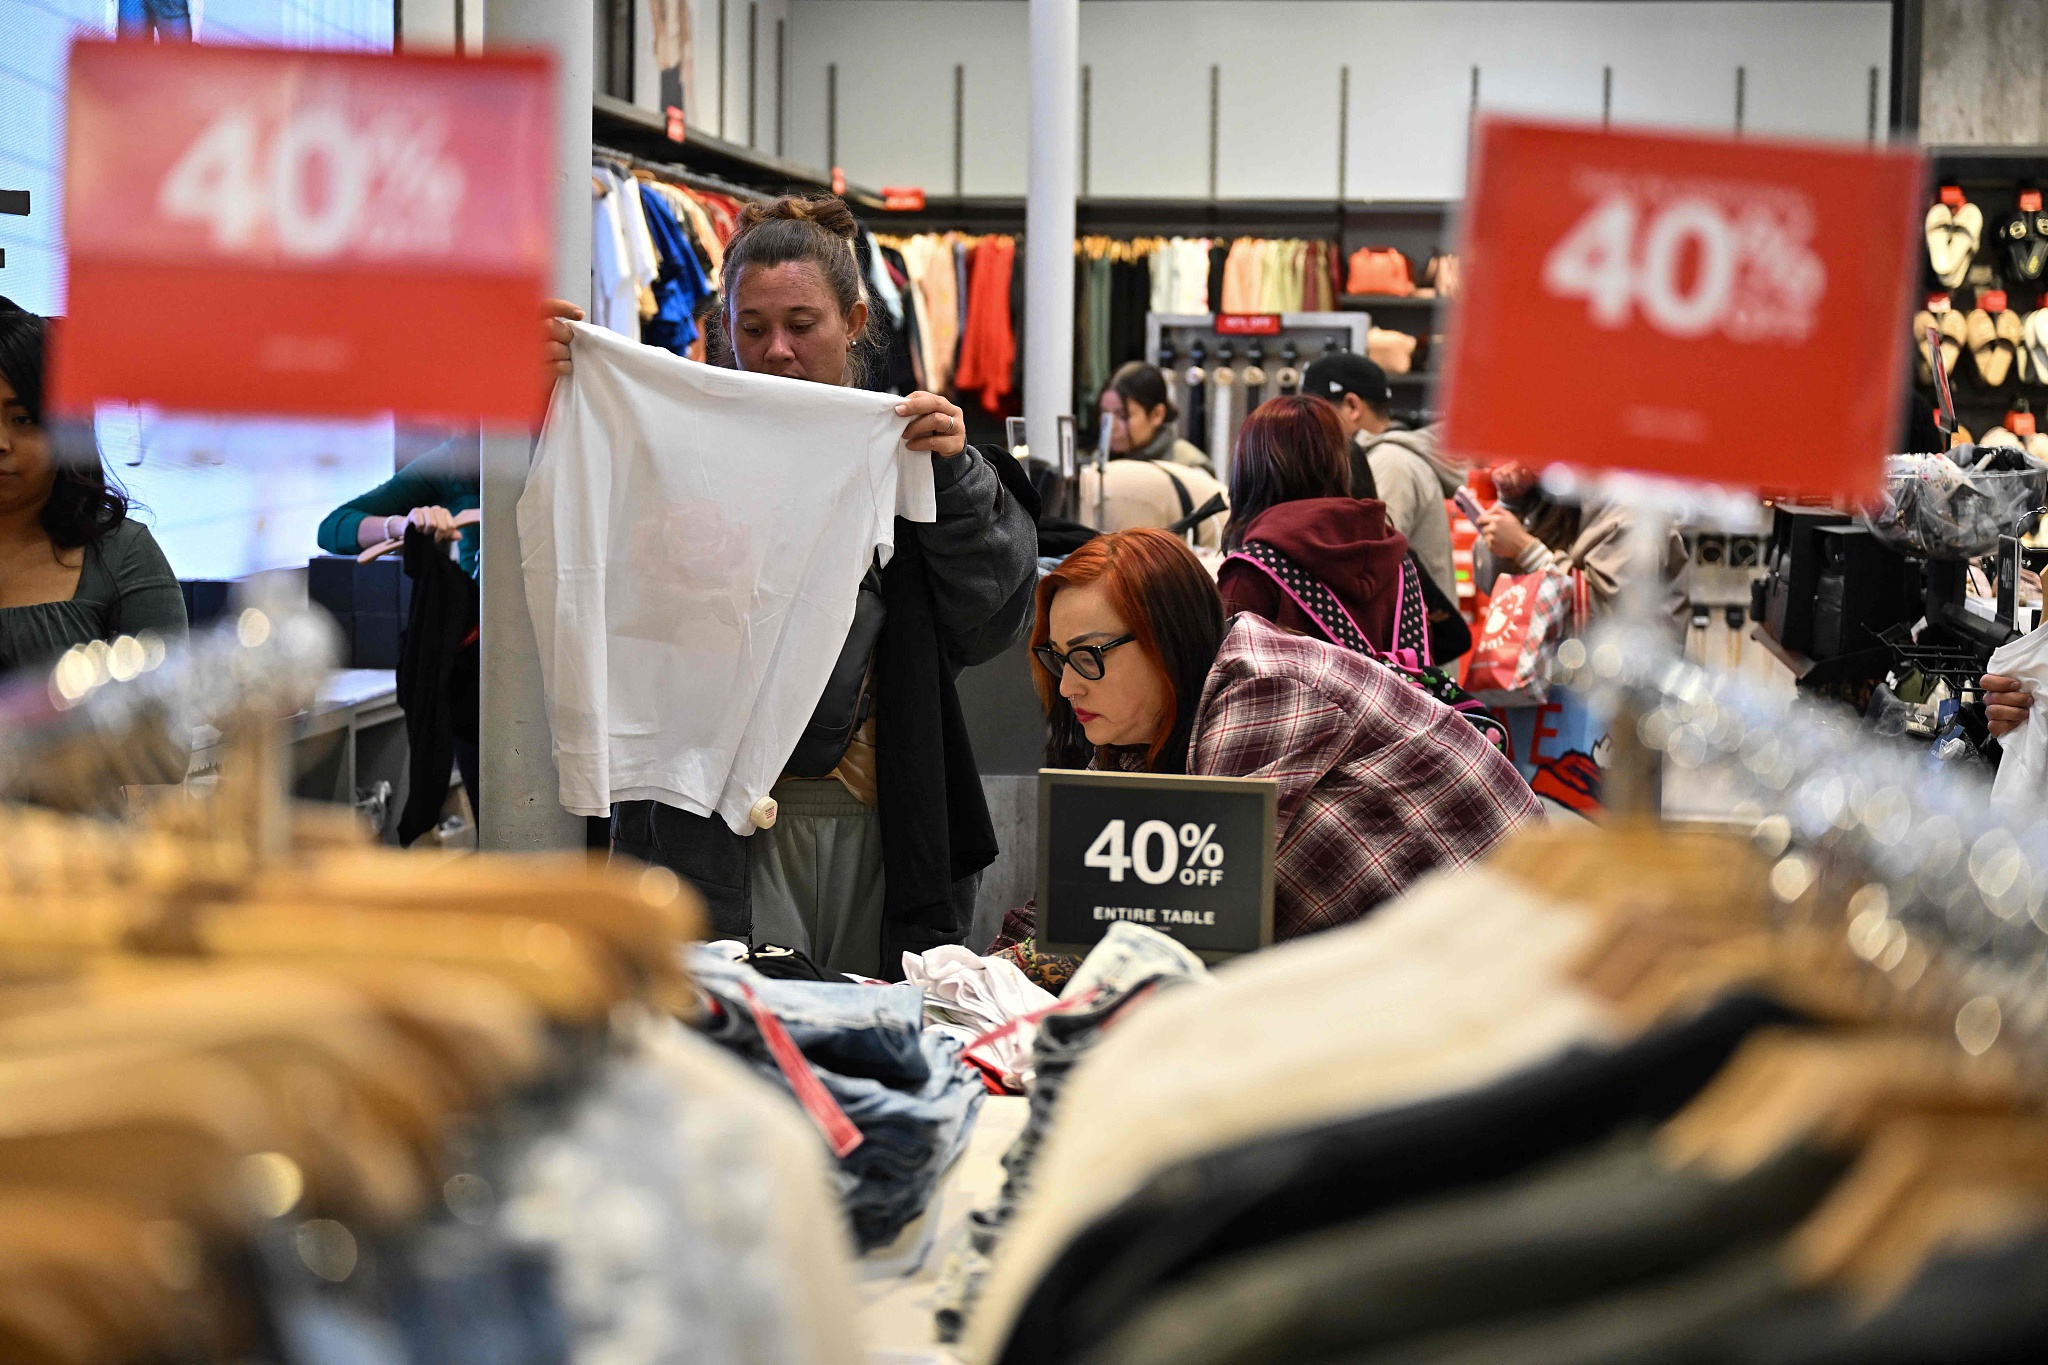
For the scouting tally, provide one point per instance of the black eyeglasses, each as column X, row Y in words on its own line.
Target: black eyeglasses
column 1086, row 659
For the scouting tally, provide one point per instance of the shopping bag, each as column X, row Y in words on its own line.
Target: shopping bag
column 2022, row 779
column 1529, row 616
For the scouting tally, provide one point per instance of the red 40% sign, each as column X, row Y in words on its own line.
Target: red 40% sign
column 360, row 233
column 1675, row 300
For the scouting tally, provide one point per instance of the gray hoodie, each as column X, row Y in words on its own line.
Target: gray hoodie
column 1405, row 470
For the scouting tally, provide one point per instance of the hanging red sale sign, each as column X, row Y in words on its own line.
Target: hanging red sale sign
column 307, row 233
column 1729, row 310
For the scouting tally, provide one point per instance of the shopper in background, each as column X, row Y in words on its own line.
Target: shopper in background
column 1142, row 418
column 74, row 565
column 885, row 854
column 1528, row 531
column 1290, row 492
column 1153, row 478
column 1401, row 468
column 1140, row 671
column 427, row 493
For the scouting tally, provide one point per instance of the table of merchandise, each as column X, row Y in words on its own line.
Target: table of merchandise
column 896, row 1316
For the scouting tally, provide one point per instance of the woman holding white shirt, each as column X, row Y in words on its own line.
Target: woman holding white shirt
column 884, row 854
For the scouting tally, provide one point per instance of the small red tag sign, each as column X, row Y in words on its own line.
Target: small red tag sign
column 1952, row 195
column 838, row 181
column 1248, row 324
column 2030, row 201
column 904, row 198
column 677, row 132
column 2020, row 423
column 359, row 233
column 1938, row 301
column 1992, row 300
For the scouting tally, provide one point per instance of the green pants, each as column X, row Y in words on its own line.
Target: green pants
column 816, row 877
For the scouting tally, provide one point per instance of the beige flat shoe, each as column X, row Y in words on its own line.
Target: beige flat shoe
column 1955, row 331
column 1992, row 354
column 2012, row 330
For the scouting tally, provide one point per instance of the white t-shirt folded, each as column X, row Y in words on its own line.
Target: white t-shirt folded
column 693, row 540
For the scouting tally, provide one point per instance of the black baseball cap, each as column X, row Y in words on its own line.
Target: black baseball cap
column 1340, row 372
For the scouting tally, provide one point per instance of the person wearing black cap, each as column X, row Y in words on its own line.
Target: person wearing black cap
column 1400, row 467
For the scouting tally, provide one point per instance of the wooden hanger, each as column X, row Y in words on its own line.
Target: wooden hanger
column 1924, row 1185
column 1834, row 1089
column 86, row 1279
column 471, row 517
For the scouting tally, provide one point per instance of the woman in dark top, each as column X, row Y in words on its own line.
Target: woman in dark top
column 74, row 566
column 427, row 493
column 1290, row 490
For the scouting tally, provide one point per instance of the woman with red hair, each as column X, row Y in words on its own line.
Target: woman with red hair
column 1292, row 513
column 1140, row 670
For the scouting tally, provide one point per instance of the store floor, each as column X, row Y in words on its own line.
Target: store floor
column 896, row 1320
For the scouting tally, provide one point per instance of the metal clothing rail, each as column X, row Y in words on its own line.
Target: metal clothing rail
column 668, row 171
column 1947, row 893
column 111, row 713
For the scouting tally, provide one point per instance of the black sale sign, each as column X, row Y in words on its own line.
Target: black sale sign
column 1189, row 856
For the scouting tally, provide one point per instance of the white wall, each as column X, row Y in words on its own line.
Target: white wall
column 896, row 60
column 1673, row 64
column 701, row 106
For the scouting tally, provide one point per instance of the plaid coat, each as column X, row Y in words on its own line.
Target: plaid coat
column 1378, row 783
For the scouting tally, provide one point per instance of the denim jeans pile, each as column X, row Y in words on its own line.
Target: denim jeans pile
column 907, row 1090
column 1130, row 965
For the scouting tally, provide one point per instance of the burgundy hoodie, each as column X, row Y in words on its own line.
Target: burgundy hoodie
column 1345, row 542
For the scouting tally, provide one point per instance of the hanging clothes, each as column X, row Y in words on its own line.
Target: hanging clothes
column 438, row 675
column 988, row 346
column 895, row 372
column 680, row 284
column 614, row 290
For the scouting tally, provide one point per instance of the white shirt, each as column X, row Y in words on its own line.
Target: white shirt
column 693, row 540
column 622, row 255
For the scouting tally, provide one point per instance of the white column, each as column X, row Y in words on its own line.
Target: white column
column 520, row 805
column 1049, row 222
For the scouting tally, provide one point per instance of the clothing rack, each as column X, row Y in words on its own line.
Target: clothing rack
column 1939, row 875
column 671, row 172
column 107, row 714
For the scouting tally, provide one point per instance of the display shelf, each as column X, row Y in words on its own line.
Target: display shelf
column 1371, row 303
column 626, row 127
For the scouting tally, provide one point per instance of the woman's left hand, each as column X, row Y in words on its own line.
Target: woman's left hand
column 1504, row 532
column 935, row 424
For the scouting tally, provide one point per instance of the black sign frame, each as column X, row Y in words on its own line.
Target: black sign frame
column 1261, row 825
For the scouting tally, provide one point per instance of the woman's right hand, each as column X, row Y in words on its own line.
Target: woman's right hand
column 438, row 522
column 2007, row 703
column 557, row 315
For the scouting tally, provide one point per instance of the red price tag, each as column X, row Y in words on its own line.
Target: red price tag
column 2030, row 201
column 307, row 233
column 1992, row 300
column 1683, row 297
column 1248, row 324
column 902, row 197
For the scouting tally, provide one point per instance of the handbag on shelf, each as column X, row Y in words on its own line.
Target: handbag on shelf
column 1331, row 616
column 1379, row 270
column 1530, row 615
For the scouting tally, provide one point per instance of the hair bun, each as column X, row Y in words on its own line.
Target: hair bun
column 825, row 210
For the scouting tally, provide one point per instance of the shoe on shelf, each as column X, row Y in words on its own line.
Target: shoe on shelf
column 1992, row 352
column 1952, row 239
